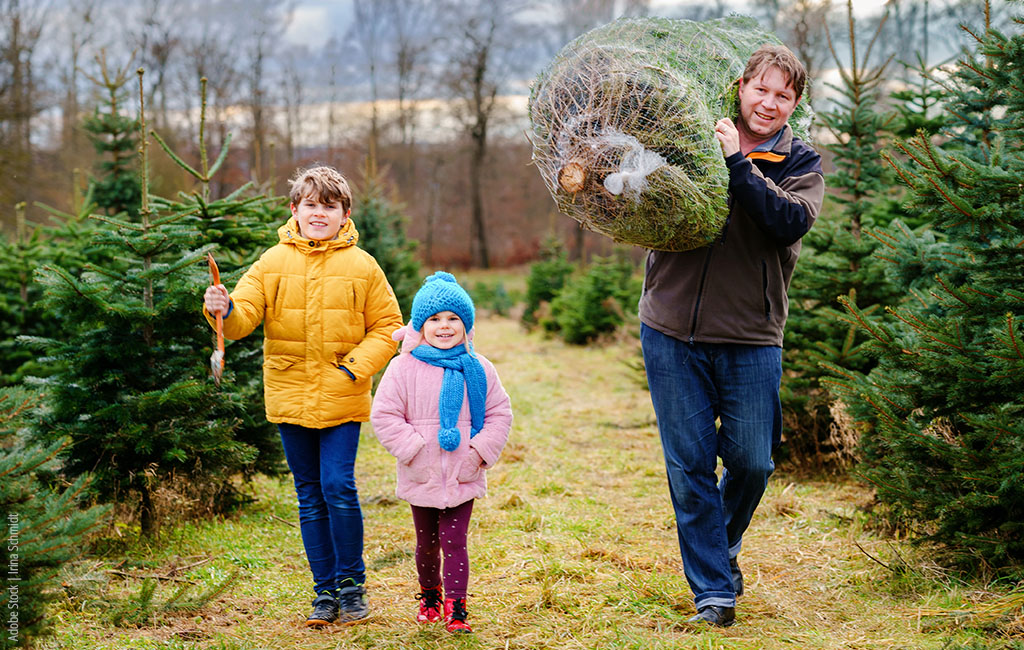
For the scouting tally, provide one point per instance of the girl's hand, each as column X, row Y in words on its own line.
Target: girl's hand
column 476, row 458
column 216, row 299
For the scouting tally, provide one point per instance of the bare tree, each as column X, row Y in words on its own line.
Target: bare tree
column 156, row 42
column 366, row 32
column 207, row 51
column 484, row 47
column 410, row 34
column 262, row 24
column 293, row 96
column 21, row 26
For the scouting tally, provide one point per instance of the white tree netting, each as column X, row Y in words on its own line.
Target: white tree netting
column 622, row 126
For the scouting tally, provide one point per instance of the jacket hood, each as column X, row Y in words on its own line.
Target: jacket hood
column 289, row 234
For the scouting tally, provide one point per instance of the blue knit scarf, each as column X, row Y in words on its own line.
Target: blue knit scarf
column 460, row 369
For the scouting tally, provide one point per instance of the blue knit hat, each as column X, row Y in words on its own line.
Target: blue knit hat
column 441, row 292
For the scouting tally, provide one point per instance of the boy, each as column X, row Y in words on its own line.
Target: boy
column 328, row 315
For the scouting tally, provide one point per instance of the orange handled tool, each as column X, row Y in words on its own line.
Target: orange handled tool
column 217, row 358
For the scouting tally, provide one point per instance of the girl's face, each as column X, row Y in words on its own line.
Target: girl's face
column 444, row 330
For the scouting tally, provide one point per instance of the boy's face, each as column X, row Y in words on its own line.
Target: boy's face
column 444, row 330
column 319, row 220
column 766, row 102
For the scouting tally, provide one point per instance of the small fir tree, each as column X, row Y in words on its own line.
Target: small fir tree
column 839, row 261
column 133, row 394
column 595, row 303
column 943, row 411
column 44, row 528
column 115, row 137
column 547, row 277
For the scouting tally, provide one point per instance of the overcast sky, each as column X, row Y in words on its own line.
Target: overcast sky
column 315, row 21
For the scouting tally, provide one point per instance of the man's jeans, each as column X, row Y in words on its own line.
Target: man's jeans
column 692, row 385
column 323, row 464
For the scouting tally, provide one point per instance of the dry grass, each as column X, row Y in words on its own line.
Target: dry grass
column 574, row 547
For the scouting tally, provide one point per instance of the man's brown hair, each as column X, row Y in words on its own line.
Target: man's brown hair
column 323, row 183
column 777, row 56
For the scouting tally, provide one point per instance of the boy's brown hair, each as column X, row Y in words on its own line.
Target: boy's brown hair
column 777, row 56
column 323, row 183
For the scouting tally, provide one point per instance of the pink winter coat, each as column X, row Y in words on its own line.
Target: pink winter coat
column 405, row 419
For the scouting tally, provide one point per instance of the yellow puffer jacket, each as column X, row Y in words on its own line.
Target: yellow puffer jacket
column 328, row 314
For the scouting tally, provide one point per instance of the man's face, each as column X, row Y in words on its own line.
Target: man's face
column 766, row 102
column 319, row 220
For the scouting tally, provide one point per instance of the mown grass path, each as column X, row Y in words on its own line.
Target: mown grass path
column 574, row 547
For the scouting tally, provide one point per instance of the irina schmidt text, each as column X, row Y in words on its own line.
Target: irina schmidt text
column 13, row 577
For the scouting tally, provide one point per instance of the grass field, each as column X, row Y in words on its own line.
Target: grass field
column 574, row 547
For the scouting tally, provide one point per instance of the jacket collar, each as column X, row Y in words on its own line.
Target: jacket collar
column 776, row 149
column 289, row 234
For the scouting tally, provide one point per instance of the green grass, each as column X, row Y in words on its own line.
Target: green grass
column 574, row 547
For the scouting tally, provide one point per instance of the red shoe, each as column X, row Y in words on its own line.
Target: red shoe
column 430, row 605
column 455, row 616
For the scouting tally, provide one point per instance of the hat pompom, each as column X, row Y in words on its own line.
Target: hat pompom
column 440, row 275
column 449, row 439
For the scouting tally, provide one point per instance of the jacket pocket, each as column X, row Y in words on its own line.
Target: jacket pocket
column 469, row 470
column 279, row 363
column 764, row 291
column 417, row 470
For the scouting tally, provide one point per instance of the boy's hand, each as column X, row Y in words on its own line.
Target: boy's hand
column 216, row 299
column 727, row 136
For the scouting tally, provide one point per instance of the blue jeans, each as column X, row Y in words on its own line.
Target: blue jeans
column 692, row 385
column 323, row 463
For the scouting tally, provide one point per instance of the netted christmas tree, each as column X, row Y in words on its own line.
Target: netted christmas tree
column 943, row 412
column 133, row 395
column 622, row 126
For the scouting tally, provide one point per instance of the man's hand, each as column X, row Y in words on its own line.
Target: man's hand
column 728, row 136
column 216, row 299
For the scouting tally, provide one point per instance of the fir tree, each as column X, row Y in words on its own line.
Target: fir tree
column 241, row 226
column 381, row 227
column 838, row 260
column 132, row 394
column 115, row 137
column 942, row 412
column 44, row 529
column 547, row 278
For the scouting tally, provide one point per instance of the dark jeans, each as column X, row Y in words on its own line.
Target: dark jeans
column 692, row 385
column 323, row 464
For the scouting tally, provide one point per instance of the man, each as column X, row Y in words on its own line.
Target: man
column 711, row 328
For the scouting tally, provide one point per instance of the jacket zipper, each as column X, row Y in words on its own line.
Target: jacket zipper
column 700, row 293
column 704, row 275
column 764, row 291
column 444, row 476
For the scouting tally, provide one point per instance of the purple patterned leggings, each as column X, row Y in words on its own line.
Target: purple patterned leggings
column 443, row 532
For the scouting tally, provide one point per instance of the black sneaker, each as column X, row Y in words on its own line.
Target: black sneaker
column 325, row 611
column 715, row 616
column 352, row 604
column 737, row 576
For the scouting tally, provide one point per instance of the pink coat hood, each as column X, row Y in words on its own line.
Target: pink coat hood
column 405, row 419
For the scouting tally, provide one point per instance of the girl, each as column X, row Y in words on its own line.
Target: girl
column 441, row 412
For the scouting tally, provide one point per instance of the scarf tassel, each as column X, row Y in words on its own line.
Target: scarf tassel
column 449, row 439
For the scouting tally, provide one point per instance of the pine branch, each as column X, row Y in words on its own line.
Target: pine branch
column 175, row 157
